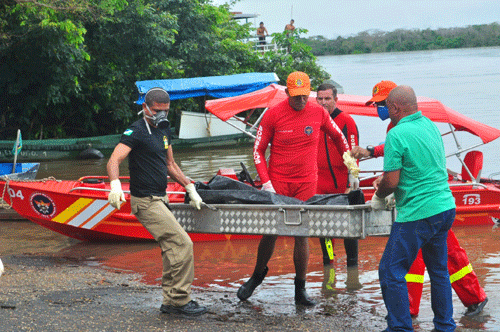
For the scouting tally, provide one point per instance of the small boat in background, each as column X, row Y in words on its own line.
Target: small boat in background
column 195, row 129
column 22, row 171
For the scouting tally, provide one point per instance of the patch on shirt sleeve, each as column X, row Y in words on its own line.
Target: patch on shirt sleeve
column 128, row 132
column 165, row 141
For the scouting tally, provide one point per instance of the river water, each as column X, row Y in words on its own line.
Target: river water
column 467, row 80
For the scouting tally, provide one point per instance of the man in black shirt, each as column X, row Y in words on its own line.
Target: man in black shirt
column 147, row 144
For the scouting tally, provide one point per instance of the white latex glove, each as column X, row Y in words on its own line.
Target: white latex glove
column 351, row 164
column 268, row 186
column 1, row 268
column 390, row 202
column 353, row 182
column 194, row 199
column 116, row 195
column 377, row 203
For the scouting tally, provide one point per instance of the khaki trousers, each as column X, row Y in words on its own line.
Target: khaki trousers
column 176, row 247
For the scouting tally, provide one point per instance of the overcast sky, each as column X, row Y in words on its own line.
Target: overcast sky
column 333, row 18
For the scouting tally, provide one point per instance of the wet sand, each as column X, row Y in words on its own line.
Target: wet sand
column 43, row 293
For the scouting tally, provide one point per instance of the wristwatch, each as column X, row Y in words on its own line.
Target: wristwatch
column 371, row 149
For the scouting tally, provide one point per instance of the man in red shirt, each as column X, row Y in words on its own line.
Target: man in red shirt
column 333, row 175
column 293, row 127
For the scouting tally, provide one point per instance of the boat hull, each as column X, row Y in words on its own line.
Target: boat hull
column 65, row 149
column 23, row 171
column 80, row 210
column 75, row 209
column 475, row 205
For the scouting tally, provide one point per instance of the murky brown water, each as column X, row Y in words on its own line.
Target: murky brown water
column 200, row 165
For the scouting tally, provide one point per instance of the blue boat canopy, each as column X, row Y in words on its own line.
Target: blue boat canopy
column 213, row 86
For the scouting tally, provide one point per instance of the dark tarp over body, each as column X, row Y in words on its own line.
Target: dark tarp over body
column 224, row 190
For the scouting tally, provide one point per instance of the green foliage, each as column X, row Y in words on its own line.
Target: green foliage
column 208, row 41
column 131, row 47
column 69, row 67
column 407, row 40
column 43, row 59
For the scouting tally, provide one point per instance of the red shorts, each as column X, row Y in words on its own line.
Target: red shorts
column 300, row 190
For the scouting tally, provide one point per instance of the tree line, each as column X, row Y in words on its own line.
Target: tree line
column 373, row 41
column 68, row 67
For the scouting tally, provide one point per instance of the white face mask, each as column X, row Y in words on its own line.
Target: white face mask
column 159, row 119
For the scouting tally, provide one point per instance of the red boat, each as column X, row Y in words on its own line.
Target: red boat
column 477, row 199
column 80, row 209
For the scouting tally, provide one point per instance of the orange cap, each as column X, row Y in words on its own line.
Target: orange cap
column 298, row 84
column 381, row 91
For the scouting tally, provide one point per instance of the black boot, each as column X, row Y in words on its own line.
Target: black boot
column 351, row 250
column 248, row 287
column 300, row 293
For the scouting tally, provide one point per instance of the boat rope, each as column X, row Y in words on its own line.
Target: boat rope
column 4, row 204
column 209, row 123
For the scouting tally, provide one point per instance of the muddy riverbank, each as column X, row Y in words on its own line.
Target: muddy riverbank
column 43, row 293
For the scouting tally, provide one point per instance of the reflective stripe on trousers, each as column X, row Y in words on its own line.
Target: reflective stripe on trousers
column 462, row 277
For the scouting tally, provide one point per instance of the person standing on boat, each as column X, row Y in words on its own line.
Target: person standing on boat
column 262, row 33
column 147, row 144
column 293, row 127
column 415, row 171
column 463, row 278
column 290, row 27
column 333, row 175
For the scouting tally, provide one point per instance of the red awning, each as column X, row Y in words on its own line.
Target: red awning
column 226, row 108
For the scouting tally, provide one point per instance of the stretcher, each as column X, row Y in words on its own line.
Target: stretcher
column 341, row 221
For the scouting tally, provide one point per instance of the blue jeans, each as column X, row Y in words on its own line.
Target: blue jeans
column 401, row 249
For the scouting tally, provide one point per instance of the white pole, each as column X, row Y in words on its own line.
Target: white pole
column 15, row 153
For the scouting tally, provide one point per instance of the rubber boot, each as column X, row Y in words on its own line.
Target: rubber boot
column 351, row 250
column 328, row 286
column 246, row 290
column 352, row 281
column 300, row 293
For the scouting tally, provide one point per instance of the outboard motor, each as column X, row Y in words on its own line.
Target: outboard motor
column 90, row 153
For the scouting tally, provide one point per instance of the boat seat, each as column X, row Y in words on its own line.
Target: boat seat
column 474, row 161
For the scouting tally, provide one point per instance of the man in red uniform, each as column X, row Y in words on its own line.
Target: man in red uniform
column 293, row 127
column 333, row 175
column 462, row 277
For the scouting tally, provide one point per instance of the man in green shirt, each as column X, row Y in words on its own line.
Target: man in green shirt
column 415, row 171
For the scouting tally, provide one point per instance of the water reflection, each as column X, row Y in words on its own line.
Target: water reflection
column 200, row 165
column 224, row 265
